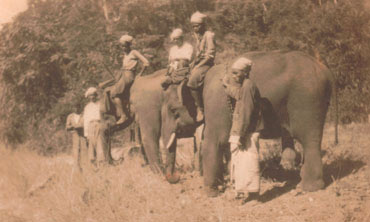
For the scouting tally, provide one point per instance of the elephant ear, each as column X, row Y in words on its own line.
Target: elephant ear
column 185, row 98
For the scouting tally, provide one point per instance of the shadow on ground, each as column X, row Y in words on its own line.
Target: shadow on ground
column 339, row 168
column 271, row 170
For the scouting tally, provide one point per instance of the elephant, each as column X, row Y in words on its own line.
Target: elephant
column 295, row 90
column 162, row 114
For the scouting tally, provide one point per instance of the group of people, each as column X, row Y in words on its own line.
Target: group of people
column 193, row 62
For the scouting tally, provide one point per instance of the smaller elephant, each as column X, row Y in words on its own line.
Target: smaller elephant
column 168, row 114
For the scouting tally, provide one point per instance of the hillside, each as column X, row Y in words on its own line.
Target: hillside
column 56, row 49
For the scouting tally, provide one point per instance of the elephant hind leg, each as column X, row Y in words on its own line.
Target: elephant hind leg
column 289, row 157
column 308, row 129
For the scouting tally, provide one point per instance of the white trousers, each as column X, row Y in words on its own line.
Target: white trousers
column 245, row 169
column 96, row 144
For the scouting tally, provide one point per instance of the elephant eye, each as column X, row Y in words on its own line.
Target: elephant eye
column 175, row 112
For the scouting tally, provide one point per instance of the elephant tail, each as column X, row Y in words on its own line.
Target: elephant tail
column 334, row 100
column 335, row 93
column 334, row 89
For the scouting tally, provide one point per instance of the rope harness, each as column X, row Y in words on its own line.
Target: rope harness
column 231, row 103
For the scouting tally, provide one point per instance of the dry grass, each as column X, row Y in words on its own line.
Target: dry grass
column 35, row 188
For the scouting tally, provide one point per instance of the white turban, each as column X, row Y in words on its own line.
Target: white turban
column 90, row 91
column 197, row 17
column 241, row 64
column 176, row 33
column 126, row 38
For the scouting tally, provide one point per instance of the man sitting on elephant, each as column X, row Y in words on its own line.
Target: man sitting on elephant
column 127, row 75
column 204, row 60
column 179, row 59
column 244, row 138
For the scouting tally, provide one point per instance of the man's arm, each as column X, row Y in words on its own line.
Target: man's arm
column 243, row 110
column 211, row 45
column 143, row 60
column 210, row 52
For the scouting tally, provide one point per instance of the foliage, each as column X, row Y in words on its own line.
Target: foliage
column 57, row 48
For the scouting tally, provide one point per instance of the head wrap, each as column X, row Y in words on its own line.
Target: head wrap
column 90, row 91
column 241, row 64
column 197, row 17
column 176, row 33
column 126, row 38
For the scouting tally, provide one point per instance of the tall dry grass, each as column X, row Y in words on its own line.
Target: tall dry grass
column 36, row 188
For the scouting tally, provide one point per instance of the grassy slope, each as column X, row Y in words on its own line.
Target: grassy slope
column 34, row 188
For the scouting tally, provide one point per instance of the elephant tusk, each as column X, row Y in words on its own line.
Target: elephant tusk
column 172, row 139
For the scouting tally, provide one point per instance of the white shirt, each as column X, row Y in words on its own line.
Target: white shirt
column 183, row 52
column 72, row 120
column 91, row 112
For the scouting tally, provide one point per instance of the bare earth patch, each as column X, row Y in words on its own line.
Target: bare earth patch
column 34, row 188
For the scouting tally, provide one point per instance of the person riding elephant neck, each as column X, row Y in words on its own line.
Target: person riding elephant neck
column 126, row 77
column 244, row 135
column 179, row 59
column 204, row 59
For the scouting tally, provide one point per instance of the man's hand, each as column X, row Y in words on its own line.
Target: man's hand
column 234, row 147
column 234, row 143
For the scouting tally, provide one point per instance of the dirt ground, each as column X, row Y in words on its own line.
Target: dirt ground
column 35, row 188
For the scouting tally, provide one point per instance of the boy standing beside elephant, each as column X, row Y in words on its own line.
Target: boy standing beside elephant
column 244, row 136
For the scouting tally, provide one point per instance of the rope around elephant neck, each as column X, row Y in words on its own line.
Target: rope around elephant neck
column 229, row 98
column 231, row 105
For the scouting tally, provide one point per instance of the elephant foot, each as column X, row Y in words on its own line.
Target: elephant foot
column 288, row 159
column 211, row 192
column 311, row 186
column 173, row 178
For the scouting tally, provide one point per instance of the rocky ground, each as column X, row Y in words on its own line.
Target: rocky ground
column 35, row 188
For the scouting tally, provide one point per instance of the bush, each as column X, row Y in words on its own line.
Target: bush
column 57, row 48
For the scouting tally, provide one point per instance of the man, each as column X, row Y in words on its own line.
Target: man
column 244, row 138
column 179, row 59
column 94, row 130
column 74, row 124
column 126, row 77
column 204, row 59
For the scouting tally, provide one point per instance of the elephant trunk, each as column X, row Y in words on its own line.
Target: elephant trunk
column 171, row 140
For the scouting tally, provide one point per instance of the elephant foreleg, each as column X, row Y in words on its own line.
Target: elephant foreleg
column 150, row 133
column 212, row 160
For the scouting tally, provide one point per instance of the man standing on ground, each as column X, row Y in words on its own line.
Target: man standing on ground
column 94, row 130
column 74, row 124
column 244, row 136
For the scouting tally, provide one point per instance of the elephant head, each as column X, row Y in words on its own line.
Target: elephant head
column 178, row 112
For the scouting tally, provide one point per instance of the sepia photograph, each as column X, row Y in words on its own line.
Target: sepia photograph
column 184, row 110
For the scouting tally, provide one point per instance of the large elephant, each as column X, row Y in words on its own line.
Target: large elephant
column 295, row 89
